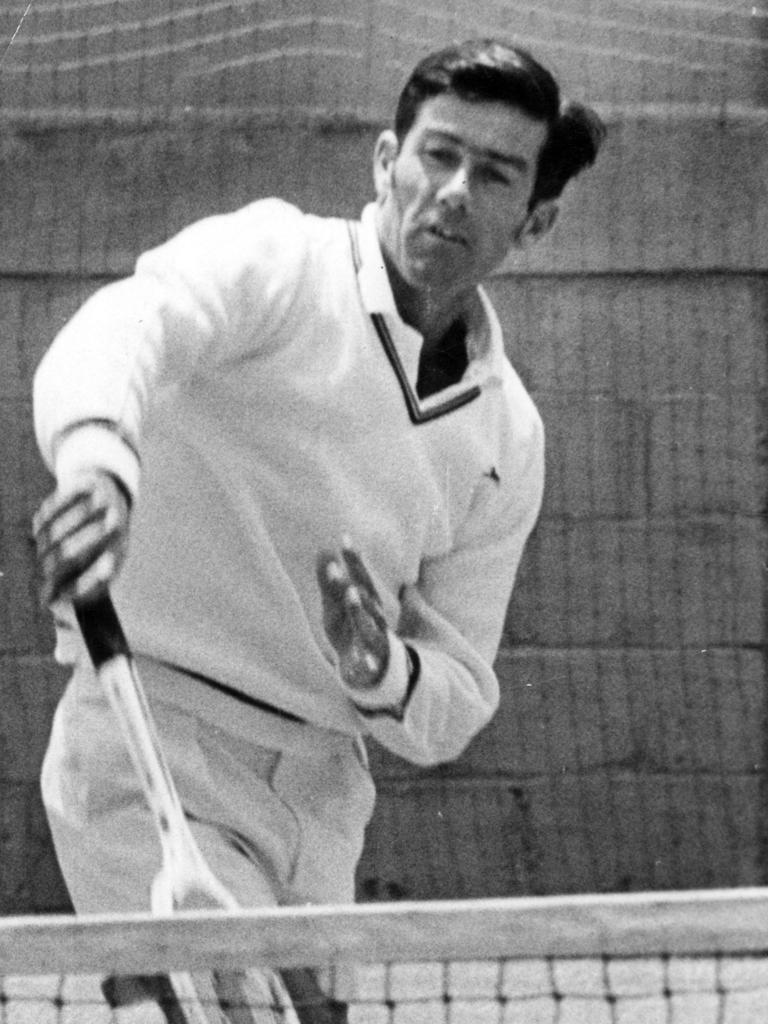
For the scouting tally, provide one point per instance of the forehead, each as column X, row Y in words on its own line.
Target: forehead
column 492, row 127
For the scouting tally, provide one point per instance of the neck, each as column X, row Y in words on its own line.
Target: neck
column 429, row 314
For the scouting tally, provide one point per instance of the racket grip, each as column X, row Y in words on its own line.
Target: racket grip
column 101, row 629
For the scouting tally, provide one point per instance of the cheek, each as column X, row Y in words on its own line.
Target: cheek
column 499, row 237
column 502, row 228
column 409, row 186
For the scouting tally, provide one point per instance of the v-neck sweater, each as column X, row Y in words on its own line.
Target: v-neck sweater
column 255, row 390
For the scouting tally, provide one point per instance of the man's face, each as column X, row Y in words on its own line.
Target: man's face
column 453, row 199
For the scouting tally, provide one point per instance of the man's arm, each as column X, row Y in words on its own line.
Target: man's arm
column 426, row 688
column 186, row 307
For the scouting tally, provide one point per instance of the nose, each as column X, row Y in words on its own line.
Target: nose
column 454, row 190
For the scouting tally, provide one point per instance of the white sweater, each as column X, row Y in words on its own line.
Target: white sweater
column 237, row 385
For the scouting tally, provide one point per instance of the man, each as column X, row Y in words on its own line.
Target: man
column 296, row 451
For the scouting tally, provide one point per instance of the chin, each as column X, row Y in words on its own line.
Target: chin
column 422, row 274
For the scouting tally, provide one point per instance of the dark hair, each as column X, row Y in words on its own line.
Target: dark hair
column 491, row 70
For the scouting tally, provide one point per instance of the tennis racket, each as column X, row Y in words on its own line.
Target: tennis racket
column 185, row 881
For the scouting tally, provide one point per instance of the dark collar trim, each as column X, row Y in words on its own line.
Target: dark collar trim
column 416, row 413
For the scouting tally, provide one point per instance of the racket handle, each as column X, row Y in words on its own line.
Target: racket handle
column 101, row 629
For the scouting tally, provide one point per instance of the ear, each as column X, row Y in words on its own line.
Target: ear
column 538, row 223
column 384, row 155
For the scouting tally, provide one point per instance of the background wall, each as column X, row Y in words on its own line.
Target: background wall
column 629, row 751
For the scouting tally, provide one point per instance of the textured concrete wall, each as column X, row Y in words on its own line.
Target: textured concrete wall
column 629, row 748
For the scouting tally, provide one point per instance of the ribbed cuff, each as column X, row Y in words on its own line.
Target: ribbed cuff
column 96, row 446
column 392, row 695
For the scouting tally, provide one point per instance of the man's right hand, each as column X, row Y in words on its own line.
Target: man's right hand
column 81, row 531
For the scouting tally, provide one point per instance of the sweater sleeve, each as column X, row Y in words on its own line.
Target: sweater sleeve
column 452, row 621
column 200, row 299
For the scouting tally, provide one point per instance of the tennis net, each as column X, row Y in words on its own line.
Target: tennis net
column 690, row 958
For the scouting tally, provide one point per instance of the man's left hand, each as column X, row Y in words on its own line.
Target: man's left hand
column 353, row 618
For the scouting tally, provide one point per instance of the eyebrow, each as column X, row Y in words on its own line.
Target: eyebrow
column 519, row 163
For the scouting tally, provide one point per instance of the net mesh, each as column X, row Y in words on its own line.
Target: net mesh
column 629, row 750
column 661, row 960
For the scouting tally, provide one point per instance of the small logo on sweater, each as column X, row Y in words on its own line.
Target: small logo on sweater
column 492, row 474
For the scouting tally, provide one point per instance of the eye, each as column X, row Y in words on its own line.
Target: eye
column 441, row 155
column 496, row 175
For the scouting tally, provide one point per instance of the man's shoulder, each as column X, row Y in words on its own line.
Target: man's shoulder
column 521, row 409
column 284, row 217
column 267, row 234
column 268, row 217
column 277, row 226
column 503, row 365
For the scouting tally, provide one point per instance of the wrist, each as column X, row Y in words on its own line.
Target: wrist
column 391, row 694
column 94, row 447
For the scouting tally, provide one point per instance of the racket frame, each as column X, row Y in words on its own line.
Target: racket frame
column 185, row 880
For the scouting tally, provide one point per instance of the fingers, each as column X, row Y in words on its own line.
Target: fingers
column 333, row 583
column 350, row 602
column 357, row 569
column 80, row 534
column 353, row 618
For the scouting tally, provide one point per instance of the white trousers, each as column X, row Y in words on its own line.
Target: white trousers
column 279, row 809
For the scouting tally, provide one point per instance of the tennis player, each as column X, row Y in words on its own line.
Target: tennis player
column 296, row 450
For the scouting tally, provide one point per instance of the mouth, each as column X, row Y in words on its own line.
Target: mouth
column 447, row 234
